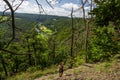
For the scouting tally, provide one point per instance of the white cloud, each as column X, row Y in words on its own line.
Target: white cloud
column 78, row 12
column 1, row 5
column 70, row 6
column 1, row 2
column 28, row 7
column 62, row 10
column 57, row 11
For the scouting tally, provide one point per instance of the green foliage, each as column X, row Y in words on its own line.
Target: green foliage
column 34, row 73
column 79, row 60
column 102, row 46
column 44, row 33
column 48, row 42
column 106, row 11
column 35, row 41
column 45, row 30
column 3, row 18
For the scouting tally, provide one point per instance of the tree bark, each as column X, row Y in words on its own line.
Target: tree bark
column 35, row 56
column 4, row 66
column 13, row 21
column 72, row 40
column 86, row 28
column 29, row 56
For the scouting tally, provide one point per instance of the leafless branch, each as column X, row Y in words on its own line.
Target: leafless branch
column 10, row 7
column 86, row 28
column 83, row 5
column 13, row 2
column 49, row 4
column 72, row 39
column 19, row 5
column 12, row 23
column 40, row 7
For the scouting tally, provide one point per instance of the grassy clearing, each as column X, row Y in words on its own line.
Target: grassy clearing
column 31, row 75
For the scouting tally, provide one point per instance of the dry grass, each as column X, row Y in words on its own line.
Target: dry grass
column 99, row 71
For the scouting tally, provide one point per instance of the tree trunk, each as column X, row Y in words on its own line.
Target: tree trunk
column 16, row 64
column 86, row 28
column 35, row 56
column 29, row 55
column 13, row 21
column 53, row 51
column 54, row 46
column 72, row 40
column 4, row 66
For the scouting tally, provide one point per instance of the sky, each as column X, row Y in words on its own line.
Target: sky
column 60, row 7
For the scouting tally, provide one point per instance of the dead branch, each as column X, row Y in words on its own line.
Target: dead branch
column 40, row 7
column 86, row 28
column 72, row 40
column 13, row 21
column 49, row 4
column 10, row 7
column 19, row 5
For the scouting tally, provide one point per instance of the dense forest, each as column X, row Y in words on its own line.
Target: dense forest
column 36, row 41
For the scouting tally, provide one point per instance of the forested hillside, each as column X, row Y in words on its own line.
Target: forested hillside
column 30, row 43
column 38, row 42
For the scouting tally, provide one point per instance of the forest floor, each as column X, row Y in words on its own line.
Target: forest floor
column 99, row 71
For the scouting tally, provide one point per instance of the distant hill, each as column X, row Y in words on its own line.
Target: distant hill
column 37, row 17
column 24, row 21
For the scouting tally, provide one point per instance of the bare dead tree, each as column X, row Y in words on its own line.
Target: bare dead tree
column 91, row 7
column 13, row 20
column 4, row 65
column 87, row 25
column 86, row 28
column 72, row 39
column 91, row 16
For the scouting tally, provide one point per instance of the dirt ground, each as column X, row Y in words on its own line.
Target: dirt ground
column 100, row 71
